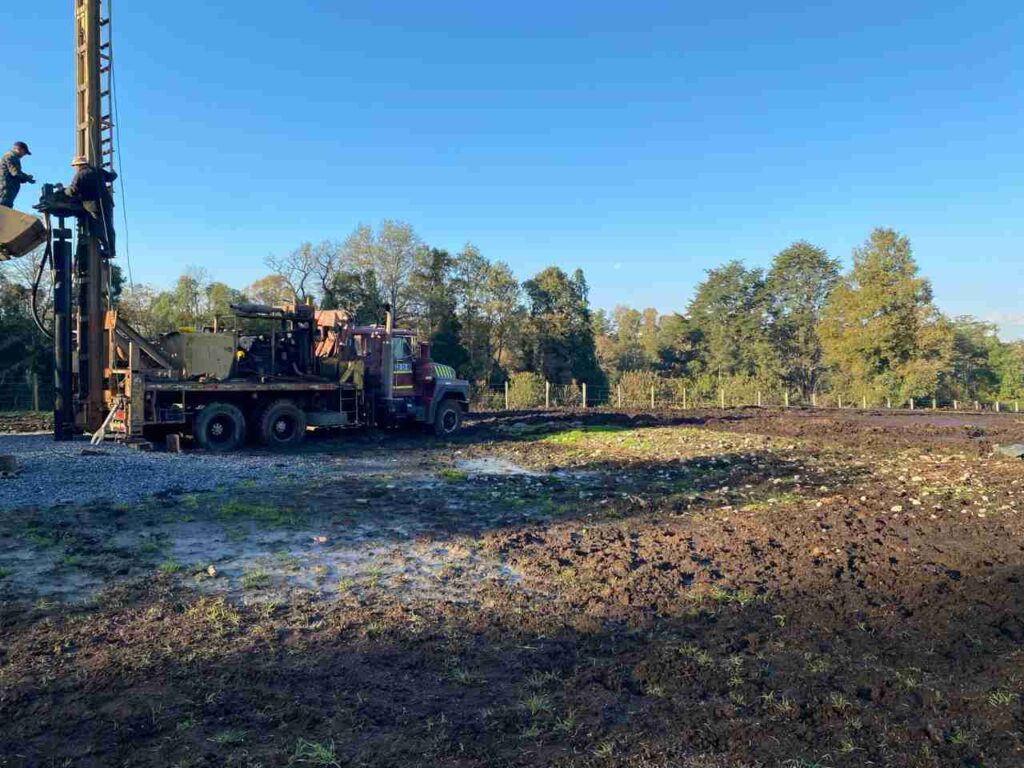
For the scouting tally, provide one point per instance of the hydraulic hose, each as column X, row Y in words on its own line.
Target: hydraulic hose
column 47, row 257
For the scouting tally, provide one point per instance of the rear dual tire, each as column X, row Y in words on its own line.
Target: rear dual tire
column 219, row 428
column 282, row 425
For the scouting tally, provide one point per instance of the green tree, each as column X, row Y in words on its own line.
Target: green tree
column 558, row 341
column 1008, row 363
column 271, row 290
column 487, row 297
column 434, row 295
column 679, row 347
column 358, row 294
column 972, row 372
column 880, row 332
column 728, row 313
column 391, row 254
column 797, row 286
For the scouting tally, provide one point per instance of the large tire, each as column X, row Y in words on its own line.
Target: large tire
column 282, row 425
column 219, row 427
column 448, row 418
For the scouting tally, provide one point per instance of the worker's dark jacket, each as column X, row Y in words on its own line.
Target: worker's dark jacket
column 90, row 184
column 11, row 178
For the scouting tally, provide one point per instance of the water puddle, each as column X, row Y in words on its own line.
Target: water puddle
column 493, row 465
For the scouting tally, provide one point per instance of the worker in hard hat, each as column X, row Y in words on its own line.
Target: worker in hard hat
column 11, row 175
column 90, row 187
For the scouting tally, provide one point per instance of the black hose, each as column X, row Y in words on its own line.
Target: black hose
column 47, row 256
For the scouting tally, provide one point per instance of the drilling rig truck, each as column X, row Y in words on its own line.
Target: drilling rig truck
column 272, row 373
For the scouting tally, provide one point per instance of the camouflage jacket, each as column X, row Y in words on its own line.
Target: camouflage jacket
column 11, row 176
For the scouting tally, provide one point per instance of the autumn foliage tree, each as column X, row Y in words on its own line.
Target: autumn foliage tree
column 881, row 334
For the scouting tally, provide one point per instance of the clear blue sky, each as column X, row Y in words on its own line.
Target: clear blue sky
column 642, row 141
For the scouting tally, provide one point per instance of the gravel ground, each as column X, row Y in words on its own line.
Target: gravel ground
column 60, row 473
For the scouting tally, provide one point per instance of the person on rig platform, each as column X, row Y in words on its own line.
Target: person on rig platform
column 90, row 187
column 11, row 175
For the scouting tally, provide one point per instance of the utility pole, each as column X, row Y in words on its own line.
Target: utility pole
column 94, row 141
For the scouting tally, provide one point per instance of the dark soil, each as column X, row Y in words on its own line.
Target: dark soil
column 741, row 588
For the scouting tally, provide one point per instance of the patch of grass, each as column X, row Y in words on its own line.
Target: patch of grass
column 537, row 704
column 216, row 613
column 189, row 501
column 149, row 547
column 287, row 560
column 315, row 753
column 566, row 724
column 574, row 436
column 463, row 676
column 229, row 738
column 41, row 537
column 265, row 514
column 71, row 560
column 169, row 567
column 538, row 680
column 452, row 475
column 1002, row 698
column 909, row 678
column 257, row 578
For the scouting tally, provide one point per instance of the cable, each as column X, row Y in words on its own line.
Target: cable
column 117, row 143
column 47, row 256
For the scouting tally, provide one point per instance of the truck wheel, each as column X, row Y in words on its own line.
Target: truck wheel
column 448, row 418
column 282, row 425
column 219, row 427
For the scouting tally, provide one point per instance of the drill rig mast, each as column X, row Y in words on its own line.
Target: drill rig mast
column 94, row 142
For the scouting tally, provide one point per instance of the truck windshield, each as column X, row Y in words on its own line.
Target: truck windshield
column 400, row 348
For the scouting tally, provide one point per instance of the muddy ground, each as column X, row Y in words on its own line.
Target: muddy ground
column 724, row 589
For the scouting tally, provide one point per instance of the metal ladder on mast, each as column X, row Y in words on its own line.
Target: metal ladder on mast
column 106, row 89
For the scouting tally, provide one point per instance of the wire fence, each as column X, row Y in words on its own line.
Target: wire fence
column 30, row 394
column 675, row 395
column 36, row 394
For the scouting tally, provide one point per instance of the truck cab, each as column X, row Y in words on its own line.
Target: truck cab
column 403, row 383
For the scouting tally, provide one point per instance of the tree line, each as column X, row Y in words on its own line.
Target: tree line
column 802, row 325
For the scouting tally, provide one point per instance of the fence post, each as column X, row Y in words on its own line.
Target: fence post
column 721, row 396
column 584, row 395
column 652, row 397
column 977, row 405
column 618, row 394
column 864, row 402
column 935, row 403
column 759, row 398
column 888, row 402
column 547, row 394
column 997, row 406
column 684, row 398
column 785, row 398
column 840, row 402
column 506, row 395
column 35, row 391
column 911, row 403
column 1016, row 406
column 956, row 405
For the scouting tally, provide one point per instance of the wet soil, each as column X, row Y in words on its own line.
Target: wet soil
column 742, row 588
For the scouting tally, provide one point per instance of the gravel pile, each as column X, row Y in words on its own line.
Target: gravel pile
column 61, row 473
